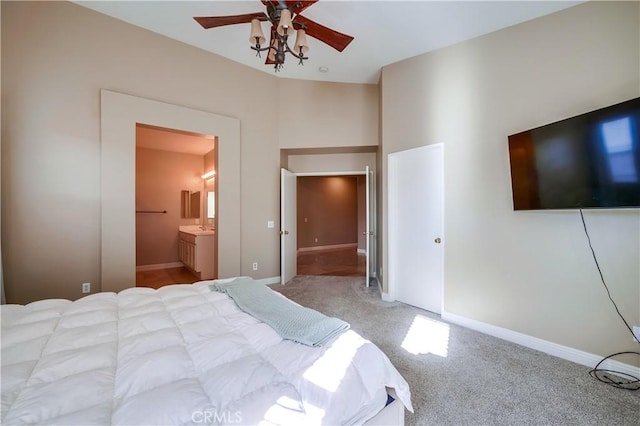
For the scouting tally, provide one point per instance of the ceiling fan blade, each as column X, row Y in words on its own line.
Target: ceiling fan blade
column 219, row 21
column 326, row 35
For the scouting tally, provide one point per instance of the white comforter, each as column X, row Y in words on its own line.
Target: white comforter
column 179, row 355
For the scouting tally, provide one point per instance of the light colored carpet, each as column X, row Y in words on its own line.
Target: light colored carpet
column 482, row 380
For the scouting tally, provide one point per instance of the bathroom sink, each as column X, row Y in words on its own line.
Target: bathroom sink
column 196, row 230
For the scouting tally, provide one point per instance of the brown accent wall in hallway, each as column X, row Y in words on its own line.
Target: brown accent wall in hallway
column 330, row 206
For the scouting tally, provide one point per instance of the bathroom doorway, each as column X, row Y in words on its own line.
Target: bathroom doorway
column 170, row 164
column 119, row 114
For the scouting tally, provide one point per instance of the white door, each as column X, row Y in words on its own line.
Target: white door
column 288, row 241
column 416, row 205
column 369, row 227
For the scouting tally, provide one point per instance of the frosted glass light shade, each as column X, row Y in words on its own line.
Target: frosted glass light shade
column 285, row 22
column 256, row 31
column 301, row 42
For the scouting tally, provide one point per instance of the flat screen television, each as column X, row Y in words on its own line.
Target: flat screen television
column 588, row 161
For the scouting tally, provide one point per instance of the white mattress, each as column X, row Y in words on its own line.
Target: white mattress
column 179, row 355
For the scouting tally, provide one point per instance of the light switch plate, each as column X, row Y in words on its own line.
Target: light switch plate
column 271, row 224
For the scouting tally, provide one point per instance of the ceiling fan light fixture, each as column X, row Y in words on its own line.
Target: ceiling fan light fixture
column 284, row 19
column 301, row 46
column 256, row 36
column 285, row 26
column 273, row 49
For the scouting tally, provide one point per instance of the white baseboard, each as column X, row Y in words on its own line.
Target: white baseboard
column 334, row 246
column 386, row 297
column 270, row 280
column 555, row 349
column 159, row 266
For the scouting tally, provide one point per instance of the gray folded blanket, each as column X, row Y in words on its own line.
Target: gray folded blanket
column 287, row 318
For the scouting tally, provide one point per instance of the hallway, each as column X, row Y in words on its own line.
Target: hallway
column 336, row 262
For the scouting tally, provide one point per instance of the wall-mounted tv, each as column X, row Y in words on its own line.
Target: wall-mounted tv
column 588, row 161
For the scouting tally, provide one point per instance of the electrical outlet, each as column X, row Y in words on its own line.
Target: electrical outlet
column 636, row 332
column 255, row 266
column 86, row 287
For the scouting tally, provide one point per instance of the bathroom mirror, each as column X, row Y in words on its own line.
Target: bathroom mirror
column 190, row 204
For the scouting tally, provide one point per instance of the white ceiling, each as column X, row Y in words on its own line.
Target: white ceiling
column 385, row 31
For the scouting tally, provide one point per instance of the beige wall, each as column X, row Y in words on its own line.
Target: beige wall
column 342, row 162
column 315, row 114
column 327, row 210
column 530, row 272
column 160, row 178
column 56, row 57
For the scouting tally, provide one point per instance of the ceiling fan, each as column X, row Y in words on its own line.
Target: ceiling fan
column 285, row 19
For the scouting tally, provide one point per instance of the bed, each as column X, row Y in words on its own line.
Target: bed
column 183, row 354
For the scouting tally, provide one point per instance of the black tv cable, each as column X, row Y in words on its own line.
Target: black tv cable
column 621, row 380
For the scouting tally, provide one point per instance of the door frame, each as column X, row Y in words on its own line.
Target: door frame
column 373, row 223
column 119, row 114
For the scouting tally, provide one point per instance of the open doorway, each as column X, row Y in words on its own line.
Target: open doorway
column 296, row 163
column 289, row 223
column 330, row 224
column 175, row 194
column 119, row 114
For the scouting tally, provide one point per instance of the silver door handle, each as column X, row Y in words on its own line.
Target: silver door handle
column 284, row 232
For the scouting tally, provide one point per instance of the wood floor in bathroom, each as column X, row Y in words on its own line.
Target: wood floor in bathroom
column 337, row 262
column 161, row 277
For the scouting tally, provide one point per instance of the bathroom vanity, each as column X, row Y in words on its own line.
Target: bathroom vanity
column 196, row 250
